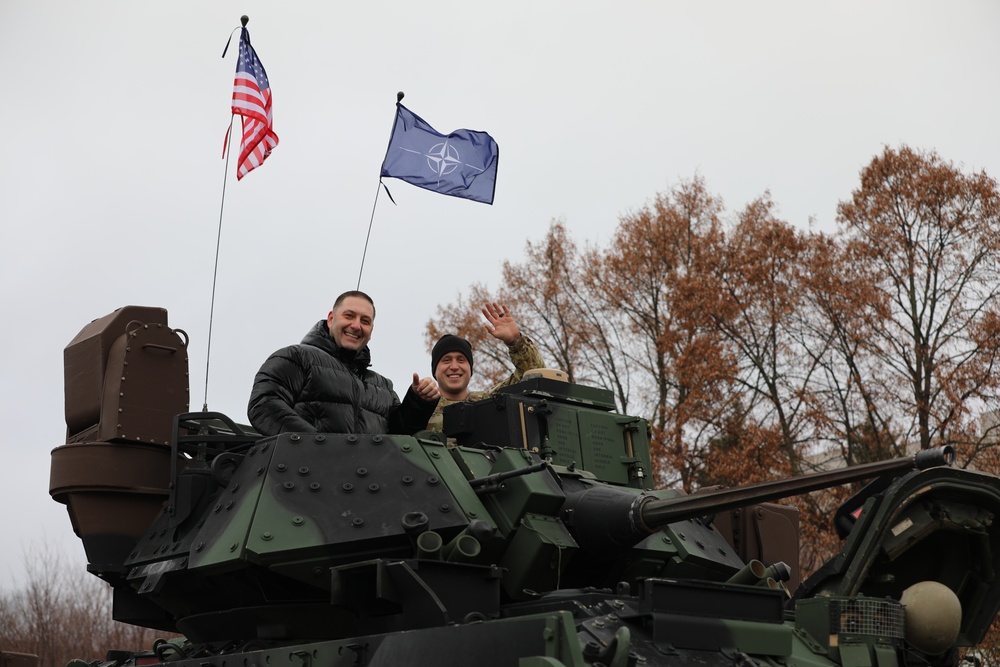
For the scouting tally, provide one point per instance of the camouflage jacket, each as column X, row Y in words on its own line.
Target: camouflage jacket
column 523, row 354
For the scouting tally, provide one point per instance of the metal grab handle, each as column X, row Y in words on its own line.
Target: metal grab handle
column 139, row 325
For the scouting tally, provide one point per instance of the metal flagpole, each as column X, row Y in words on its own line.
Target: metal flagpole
column 370, row 221
column 399, row 98
column 215, row 271
column 226, row 149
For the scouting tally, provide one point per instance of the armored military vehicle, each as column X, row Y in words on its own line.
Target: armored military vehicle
column 533, row 537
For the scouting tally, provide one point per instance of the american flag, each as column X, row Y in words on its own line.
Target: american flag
column 252, row 101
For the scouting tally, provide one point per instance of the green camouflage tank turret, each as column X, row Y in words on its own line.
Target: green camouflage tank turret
column 536, row 541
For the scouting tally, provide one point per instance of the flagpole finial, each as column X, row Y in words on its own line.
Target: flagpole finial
column 244, row 20
column 399, row 97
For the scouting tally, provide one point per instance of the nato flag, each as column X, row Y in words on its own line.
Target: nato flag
column 460, row 164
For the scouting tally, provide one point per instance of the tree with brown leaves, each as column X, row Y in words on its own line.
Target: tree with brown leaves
column 931, row 235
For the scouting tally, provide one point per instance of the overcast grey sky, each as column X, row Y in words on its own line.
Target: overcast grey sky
column 114, row 115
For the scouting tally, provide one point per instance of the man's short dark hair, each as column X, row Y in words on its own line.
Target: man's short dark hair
column 357, row 293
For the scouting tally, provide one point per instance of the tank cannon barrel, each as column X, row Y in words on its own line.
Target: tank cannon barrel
column 654, row 513
column 605, row 519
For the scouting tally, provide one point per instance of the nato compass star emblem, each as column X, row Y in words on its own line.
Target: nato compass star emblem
column 443, row 158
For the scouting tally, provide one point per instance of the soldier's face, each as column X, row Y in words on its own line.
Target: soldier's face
column 351, row 323
column 453, row 373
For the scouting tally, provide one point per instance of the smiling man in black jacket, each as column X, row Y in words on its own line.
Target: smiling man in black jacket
column 323, row 384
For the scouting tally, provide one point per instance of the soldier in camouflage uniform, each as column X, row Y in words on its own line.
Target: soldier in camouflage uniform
column 451, row 360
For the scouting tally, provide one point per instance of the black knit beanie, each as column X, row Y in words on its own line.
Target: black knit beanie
column 450, row 343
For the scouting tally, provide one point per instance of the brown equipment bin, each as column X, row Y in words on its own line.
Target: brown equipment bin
column 767, row 532
column 126, row 376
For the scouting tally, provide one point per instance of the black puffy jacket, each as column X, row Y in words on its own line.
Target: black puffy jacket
column 318, row 387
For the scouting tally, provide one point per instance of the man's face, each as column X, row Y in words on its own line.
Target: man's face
column 453, row 373
column 351, row 323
